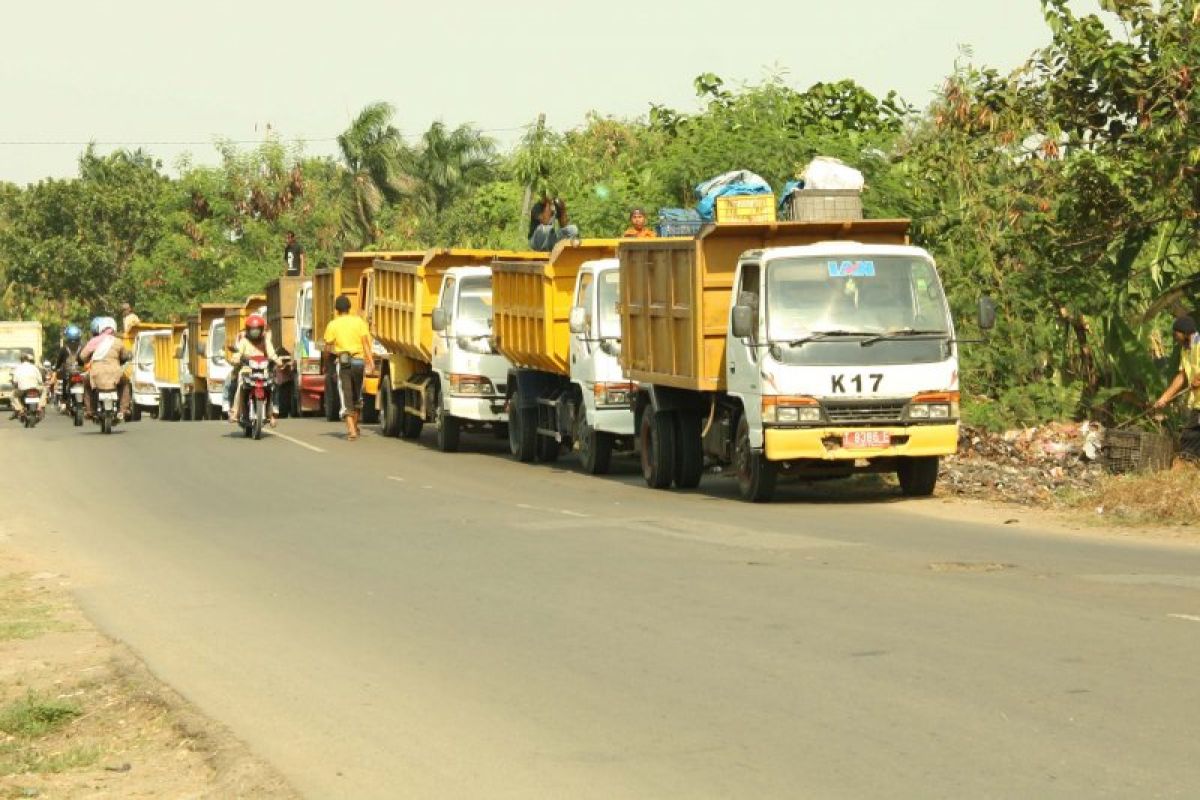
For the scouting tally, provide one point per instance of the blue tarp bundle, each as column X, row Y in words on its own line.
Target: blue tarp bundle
column 738, row 182
column 678, row 222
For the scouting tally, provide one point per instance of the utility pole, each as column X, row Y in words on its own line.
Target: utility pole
column 527, row 204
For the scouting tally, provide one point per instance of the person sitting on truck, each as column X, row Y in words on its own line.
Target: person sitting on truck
column 637, row 226
column 128, row 318
column 26, row 376
column 348, row 339
column 104, row 355
column 542, row 233
column 256, row 343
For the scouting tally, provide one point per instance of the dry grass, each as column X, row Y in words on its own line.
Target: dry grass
column 1165, row 498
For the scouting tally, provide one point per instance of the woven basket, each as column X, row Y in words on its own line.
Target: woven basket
column 1127, row 451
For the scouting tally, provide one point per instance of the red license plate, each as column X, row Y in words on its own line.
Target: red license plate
column 866, row 440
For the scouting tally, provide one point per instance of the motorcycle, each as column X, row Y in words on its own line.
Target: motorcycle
column 30, row 411
column 73, row 396
column 257, row 386
column 106, row 405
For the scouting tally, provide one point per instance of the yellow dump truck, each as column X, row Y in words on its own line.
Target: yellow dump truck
column 287, row 304
column 808, row 349
column 352, row 278
column 556, row 322
column 194, row 361
column 168, row 349
column 432, row 315
column 141, row 340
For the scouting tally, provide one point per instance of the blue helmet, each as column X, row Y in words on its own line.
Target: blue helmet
column 73, row 334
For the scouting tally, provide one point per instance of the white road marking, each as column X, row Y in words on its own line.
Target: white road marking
column 1188, row 617
column 394, row 478
column 573, row 513
column 285, row 437
column 525, row 505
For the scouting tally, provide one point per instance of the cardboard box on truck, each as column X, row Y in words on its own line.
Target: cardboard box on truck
column 531, row 304
column 676, row 294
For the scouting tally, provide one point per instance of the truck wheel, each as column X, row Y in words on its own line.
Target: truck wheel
column 410, row 424
column 918, row 476
column 448, row 427
column 755, row 474
column 391, row 408
column 370, row 411
column 548, row 449
column 522, row 431
column 595, row 450
column 135, row 412
column 689, row 450
column 656, row 436
column 333, row 403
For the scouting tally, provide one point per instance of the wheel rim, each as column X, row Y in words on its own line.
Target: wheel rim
column 514, row 429
column 647, row 448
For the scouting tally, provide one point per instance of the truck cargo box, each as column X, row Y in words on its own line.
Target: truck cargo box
column 675, row 294
column 531, row 304
column 405, row 292
column 281, row 310
column 198, row 325
column 235, row 316
column 166, row 357
column 130, row 336
column 348, row 279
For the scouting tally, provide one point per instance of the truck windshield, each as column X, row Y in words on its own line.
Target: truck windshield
column 850, row 310
column 216, row 343
column 474, row 307
column 606, row 304
column 11, row 356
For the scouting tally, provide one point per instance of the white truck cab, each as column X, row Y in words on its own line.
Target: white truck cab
column 217, row 366
column 470, row 374
column 142, row 382
column 844, row 357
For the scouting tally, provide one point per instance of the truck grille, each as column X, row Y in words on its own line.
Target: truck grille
column 853, row 411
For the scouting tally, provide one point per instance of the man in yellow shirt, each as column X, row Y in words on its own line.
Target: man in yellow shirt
column 348, row 340
column 637, row 226
column 1187, row 380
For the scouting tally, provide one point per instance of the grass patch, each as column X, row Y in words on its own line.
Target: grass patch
column 22, row 614
column 1171, row 497
column 34, row 716
column 23, row 758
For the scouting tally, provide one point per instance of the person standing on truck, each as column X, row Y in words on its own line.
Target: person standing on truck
column 104, row 356
column 295, row 262
column 1187, row 379
column 543, row 234
column 637, row 226
column 128, row 318
column 348, row 340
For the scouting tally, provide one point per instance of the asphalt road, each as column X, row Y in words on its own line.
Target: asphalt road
column 379, row 619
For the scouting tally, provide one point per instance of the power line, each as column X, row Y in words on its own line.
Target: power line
column 197, row 143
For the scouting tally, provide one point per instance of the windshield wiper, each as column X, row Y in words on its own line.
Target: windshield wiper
column 819, row 335
column 900, row 334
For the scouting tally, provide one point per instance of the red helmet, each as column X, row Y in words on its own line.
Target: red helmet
column 255, row 321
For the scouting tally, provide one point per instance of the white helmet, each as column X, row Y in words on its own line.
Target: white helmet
column 107, row 323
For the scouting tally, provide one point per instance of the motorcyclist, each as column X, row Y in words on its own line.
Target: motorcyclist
column 68, row 357
column 104, row 356
column 255, row 342
column 25, row 376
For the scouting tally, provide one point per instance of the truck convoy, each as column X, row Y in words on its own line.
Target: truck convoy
column 433, row 317
column 815, row 350
column 556, row 323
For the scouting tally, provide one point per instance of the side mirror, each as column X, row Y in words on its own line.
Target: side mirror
column 578, row 321
column 987, row 313
column 743, row 322
column 440, row 323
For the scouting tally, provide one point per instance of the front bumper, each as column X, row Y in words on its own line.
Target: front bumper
column 617, row 421
column 145, row 399
column 479, row 409
column 824, row 444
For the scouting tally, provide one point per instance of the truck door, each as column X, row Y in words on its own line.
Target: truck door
column 585, row 298
column 742, row 357
column 441, row 339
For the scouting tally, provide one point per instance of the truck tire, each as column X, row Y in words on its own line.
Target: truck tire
column 370, row 411
column 333, row 403
column 595, row 450
column 918, row 476
column 548, row 449
column 522, row 431
column 656, row 437
column 135, row 412
column 689, row 450
column 448, row 427
column 755, row 474
column 391, row 408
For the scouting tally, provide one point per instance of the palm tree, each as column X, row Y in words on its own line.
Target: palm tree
column 449, row 163
column 373, row 153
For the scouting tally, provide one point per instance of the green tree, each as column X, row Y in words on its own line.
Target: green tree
column 450, row 163
column 373, row 154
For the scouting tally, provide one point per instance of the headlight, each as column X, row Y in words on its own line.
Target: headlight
column 613, row 394
column 474, row 385
column 934, row 406
column 919, row 412
column 790, row 410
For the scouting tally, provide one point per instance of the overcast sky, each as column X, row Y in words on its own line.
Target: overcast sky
column 172, row 75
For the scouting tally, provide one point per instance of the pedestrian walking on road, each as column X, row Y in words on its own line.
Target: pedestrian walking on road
column 348, row 340
column 1186, row 380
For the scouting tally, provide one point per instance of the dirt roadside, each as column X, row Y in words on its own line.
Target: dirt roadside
column 82, row 717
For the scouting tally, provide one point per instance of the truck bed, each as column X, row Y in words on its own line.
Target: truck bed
column 166, row 361
column 281, row 310
column 675, row 293
column 531, row 304
column 198, row 325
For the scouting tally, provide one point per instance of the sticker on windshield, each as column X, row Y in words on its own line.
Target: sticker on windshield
column 848, row 269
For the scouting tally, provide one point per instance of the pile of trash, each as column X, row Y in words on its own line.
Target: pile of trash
column 1033, row 466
